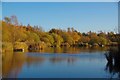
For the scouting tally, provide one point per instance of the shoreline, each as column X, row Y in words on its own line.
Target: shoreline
column 35, row 49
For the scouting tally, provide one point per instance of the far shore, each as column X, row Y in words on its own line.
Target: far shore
column 26, row 48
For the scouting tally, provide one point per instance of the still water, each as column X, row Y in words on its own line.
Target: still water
column 57, row 63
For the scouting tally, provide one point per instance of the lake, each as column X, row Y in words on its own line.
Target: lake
column 57, row 63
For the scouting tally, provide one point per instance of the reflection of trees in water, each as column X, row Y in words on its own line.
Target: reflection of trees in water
column 34, row 60
column 6, row 63
column 73, row 50
column 0, row 65
column 13, row 62
column 60, row 59
column 113, row 64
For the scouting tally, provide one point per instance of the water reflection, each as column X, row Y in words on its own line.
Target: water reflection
column 59, row 59
column 0, row 64
column 73, row 50
column 47, row 64
column 13, row 63
column 6, row 63
column 113, row 64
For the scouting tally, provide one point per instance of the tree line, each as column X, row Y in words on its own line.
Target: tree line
column 13, row 32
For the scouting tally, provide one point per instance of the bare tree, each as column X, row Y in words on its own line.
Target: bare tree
column 14, row 20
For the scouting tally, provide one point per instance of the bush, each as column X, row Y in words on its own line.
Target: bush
column 20, row 45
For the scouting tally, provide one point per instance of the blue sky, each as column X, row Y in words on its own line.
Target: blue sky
column 83, row 16
column 59, row 0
